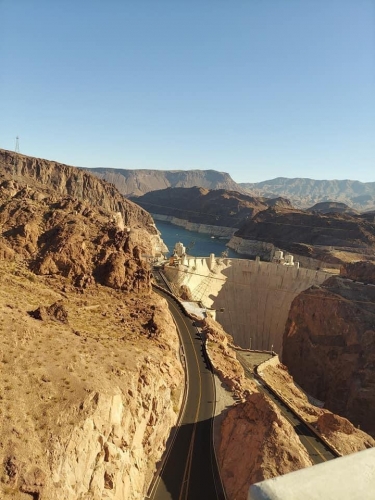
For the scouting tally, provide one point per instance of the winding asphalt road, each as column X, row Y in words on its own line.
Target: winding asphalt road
column 190, row 470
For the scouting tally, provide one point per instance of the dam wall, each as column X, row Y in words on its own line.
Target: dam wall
column 252, row 298
column 266, row 251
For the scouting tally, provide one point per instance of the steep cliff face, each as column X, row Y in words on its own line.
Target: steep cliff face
column 329, row 347
column 91, row 380
column 140, row 181
column 88, row 393
column 77, row 183
column 257, row 443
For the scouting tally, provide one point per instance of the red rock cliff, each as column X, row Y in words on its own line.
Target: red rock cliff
column 329, row 348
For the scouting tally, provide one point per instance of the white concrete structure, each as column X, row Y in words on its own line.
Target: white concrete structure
column 289, row 260
column 348, row 478
column 254, row 296
column 179, row 249
column 279, row 255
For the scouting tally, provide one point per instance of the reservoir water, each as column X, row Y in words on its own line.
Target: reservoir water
column 198, row 244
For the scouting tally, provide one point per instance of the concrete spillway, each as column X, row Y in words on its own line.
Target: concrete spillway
column 254, row 296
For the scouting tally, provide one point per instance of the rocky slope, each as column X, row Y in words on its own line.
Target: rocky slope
column 256, row 442
column 324, row 237
column 269, row 445
column 91, row 380
column 89, row 392
column 217, row 207
column 359, row 271
column 327, row 207
column 61, row 180
column 329, row 347
column 139, row 182
column 68, row 237
column 338, row 431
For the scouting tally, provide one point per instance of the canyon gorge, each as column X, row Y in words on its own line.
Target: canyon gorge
column 92, row 381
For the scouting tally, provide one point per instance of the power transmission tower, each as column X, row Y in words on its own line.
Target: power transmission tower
column 17, row 148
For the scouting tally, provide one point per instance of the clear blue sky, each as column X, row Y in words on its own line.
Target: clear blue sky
column 255, row 88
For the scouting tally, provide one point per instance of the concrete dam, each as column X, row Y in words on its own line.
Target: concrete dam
column 251, row 298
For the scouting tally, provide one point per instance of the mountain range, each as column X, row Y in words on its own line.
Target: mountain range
column 302, row 192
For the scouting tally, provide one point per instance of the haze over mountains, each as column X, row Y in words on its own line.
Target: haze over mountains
column 302, row 192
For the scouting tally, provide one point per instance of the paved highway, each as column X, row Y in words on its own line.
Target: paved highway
column 190, row 471
column 316, row 448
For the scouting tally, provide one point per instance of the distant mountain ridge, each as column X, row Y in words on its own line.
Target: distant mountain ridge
column 304, row 193
column 139, row 182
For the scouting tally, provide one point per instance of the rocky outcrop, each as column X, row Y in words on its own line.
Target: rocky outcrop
column 359, row 271
column 138, row 182
column 71, row 238
column 329, row 347
column 337, row 431
column 62, row 180
column 327, row 207
column 307, row 192
column 257, row 443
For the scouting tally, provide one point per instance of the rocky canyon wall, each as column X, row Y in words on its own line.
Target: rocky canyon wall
column 80, row 184
column 329, row 347
column 91, row 379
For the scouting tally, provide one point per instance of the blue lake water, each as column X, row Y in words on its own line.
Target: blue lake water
column 203, row 245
